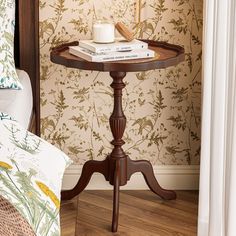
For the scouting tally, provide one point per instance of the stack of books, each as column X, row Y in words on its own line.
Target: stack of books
column 119, row 50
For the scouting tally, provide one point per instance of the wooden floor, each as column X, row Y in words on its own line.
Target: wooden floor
column 141, row 214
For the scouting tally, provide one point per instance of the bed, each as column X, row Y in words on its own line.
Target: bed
column 29, row 186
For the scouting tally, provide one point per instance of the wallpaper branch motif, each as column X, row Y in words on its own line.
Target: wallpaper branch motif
column 162, row 106
column 138, row 10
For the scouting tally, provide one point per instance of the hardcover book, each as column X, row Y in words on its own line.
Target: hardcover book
column 110, row 56
column 119, row 45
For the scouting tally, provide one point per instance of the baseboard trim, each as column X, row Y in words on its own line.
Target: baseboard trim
column 171, row 177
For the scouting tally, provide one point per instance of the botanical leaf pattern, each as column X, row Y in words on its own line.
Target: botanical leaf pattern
column 8, row 76
column 162, row 106
column 27, row 179
column 4, row 116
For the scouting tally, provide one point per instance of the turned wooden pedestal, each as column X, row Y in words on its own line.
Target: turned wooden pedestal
column 117, row 168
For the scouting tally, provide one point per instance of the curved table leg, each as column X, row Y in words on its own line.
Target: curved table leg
column 146, row 169
column 118, row 167
column 116, row 195
column 89, row 168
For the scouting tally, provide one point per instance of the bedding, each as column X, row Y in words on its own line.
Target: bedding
column 18, row 103
column 31, row 172
column 8, row 75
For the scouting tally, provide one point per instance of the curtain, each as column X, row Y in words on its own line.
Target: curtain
column 217, row 206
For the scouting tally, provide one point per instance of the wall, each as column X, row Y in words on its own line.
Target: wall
column 162, row 106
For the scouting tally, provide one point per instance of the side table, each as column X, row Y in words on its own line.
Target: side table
column 117, row 168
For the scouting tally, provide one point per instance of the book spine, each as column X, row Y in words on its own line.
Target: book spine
column 122, row 48
column 106, row 49
column 139, row 55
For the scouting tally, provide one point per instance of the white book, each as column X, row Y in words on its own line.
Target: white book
column 119, row 45
column 110, row 56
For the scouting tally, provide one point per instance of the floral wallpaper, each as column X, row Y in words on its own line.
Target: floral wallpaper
column 162, row 106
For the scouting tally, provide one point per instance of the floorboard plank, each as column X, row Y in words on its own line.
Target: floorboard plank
column 142, row 213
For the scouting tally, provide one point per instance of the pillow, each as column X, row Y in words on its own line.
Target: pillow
column 8, row 76
column 31, row 172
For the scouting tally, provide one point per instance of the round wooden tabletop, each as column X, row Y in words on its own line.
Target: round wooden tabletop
column 165, row 55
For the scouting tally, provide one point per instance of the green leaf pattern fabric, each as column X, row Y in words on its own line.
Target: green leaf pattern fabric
column 8, row 76
column 4, row 116
column 31, row 172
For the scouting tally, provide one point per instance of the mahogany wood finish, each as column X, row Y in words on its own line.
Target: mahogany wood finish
column 27, row 49
column 167, row 55
column 118, row 168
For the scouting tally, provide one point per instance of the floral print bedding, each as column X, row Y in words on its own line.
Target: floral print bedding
column 31, row 172
column 8, row 75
